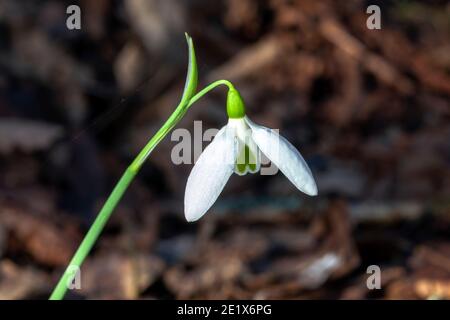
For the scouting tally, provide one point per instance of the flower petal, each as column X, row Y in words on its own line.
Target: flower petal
column 285, row 156
column 209, row 175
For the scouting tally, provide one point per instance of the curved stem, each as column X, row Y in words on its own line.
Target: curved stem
column 120, row 188
column 172, row 121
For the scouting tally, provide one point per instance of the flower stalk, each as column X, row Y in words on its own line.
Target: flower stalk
column 188, row 99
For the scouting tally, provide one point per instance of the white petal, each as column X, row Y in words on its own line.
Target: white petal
column 285, row 156
column 209, row 175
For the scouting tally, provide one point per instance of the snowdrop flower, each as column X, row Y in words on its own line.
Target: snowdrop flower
column 237, row 148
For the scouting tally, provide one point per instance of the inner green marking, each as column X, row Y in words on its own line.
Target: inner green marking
column 246, row 159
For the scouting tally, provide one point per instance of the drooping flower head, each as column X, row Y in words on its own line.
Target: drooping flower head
column 237, row 148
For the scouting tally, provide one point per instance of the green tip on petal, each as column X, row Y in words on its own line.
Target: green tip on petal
column 246, row 162
column 235, row 105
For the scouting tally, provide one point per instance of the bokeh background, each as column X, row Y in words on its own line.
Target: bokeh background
column 368, row 109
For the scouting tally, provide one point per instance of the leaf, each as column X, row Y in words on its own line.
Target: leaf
column 190, row 86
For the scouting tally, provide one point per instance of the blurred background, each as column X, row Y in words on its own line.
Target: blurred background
column 368, row 109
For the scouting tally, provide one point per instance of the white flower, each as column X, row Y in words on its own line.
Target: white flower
column 236, row 148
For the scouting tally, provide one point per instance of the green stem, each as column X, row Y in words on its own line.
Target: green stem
column 172, row 122
column 120, row 188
